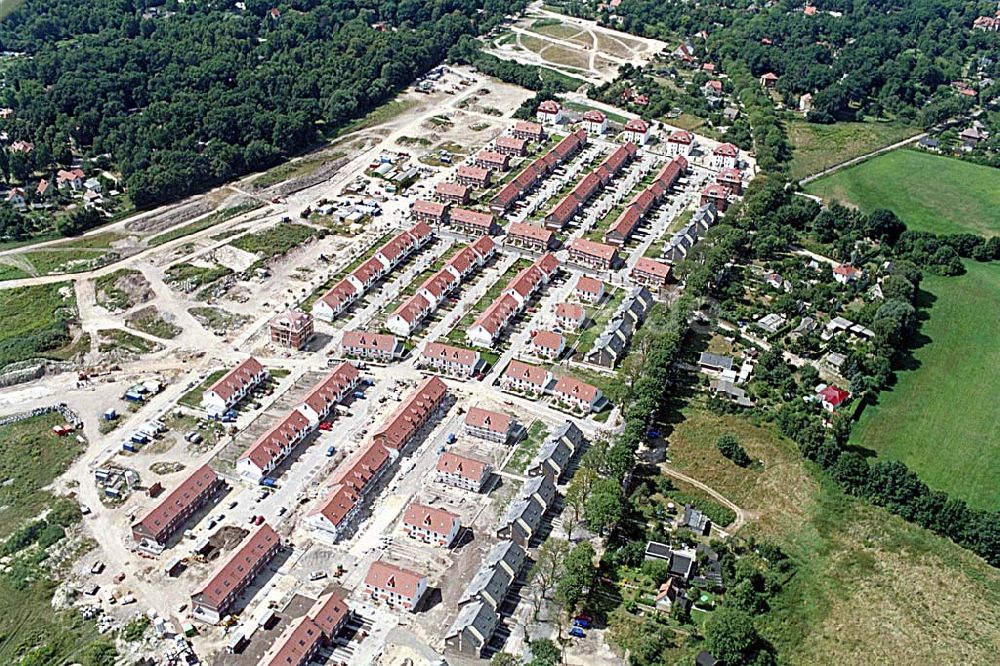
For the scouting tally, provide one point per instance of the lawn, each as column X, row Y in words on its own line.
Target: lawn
column 32, row 456
column 35, row 321
column 527, row 448
column 941, row 418
column 193, row 397
column 816, row 147
column 859, row 569
column 928, row 192
column 115, row 338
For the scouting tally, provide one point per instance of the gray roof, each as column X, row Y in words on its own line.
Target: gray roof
column 657, row 550
column 493, row 581
column 507, row 552
column 613, row 340
column 525, row 510
column 540, row 486
column 694, row 518
column 715, row 361
column 570, row 432
column 681, row 563
column 555, row 450
column 477, row 616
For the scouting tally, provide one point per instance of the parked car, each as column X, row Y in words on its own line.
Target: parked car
column 577, row 632
column 259, row 521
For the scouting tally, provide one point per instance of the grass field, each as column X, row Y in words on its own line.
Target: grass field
column 210, row 220
column 34, row 321
column 816, row 147
column 928, row 192
column 30, row 631
column 276, row 240
column 941, row 418
column 859, row 569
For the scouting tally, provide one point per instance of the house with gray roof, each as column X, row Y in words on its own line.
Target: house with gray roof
column 521, row 522
column 472, row 629
column 541, row 490
column 695, row 520
column 571, row 433
column 495, row 575
column 612, row 344
column 551, row 460
column 716, row 362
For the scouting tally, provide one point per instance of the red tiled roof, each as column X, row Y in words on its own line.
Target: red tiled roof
column 420, row 231
column 548, row 264
column 326, row 391
column 589, row 285
column 566, row 209
column 715, row 191
column 472, row 218
column 845, row 269
column 498, row 314
column 328, row 612
column 236, row 379
column 178, row 501
column 549, row 106
column 522, row 230
column 572, row 387
column 681, row 136
column 439, row 283
column 652, row 267
column 727, row 149
column 835, row 396
column 413, row 308
column 463, row 259
column 438, row 350
column 369, row 270
column 357, row 471
column 525, row 282
column 483, row 246
column 385, row 576
column 339, row 502
column 626, row 222
column 509, row 193
column 594, row 116
column 528, row 127
column 237, row 569
column 637, row 125
column 430, row 518
column 366, row 340
column 643, row 201
column 291, row 319
column 526, row 372
column 339, row 294
column 295, row 644
column 428, row 207
column 451, row 190
column 467, row 468
column 572, row 311
column 479, row 174
column 487, row 419
column 548, row 340
column 413, row 413
column 593, row 249
column 269, row 446
column 730, row 175
column 620, row 157
column 511, row 142
column 587, row 186
column 493, row 157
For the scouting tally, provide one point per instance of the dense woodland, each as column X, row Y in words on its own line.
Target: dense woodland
column 185, row 96
column 876, row 59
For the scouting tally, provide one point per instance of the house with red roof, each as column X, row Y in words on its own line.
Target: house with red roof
column 270, row 449
column 595, row 122
column 588, row 289
column 336, row 300
column 525, row 378
column 732, row 180
column 304, row 637
column 715, row 194
column 395, row 585
column 511, row 145
column 233, row 386
column 334, row 515
column 428, row 211
column 650, row 273
column 462, row 472
column 549, row 112
column 492, row 159
column 450, row 360
column 769, row 80
column 472, row 222
column 577, row 394
column 371, row 346
column 679, row 143
column 529, row 131
column 637, row 131
column 415, row 411
column 430, row 524
column 546, row 344
column 725, row 156
column 831, row 397
column 161, row 522
column 570, row 316
column 845, row 273
column 455, row 193
column 212, row 601
column 593, row 254
column 492, row 322
column 473, row 176
column 322, row 398
column 489, row 425
column 529, row 236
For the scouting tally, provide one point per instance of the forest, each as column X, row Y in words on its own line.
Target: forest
column 182, row 97
column 857, row 58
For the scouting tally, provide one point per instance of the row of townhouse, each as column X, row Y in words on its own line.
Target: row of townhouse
column 302, row 640
column 450, row 360
column 462, row 471
column 153, row 531
column 270, row 449
column 728, row 184
column 612, row 344
column 461, row 219
column 495, row 319
column 415, row 411
column 395, row 586
column 436, row 288
column 477, row 174
column 592, row 254
column 525, row 181
column 684, row 239
column 682, row 143
column 335, row 514
column 622, row 229
column 538, row 381
column 381, row 263
column 233, row 386
column 531, row 237
column 556, row 453
column 211, row 602
column 380, row 347
column 524, row 514
column 589, row 186
column 479, row 606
